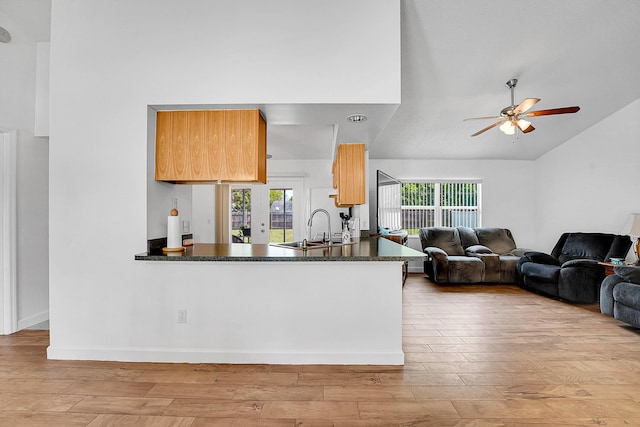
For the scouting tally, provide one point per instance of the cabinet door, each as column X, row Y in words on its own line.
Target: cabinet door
column 245, row 145
column 195, row 168
column 163, row 146
column 206, row 146
column 179, row 144
column 215, row 153
column 350, row 174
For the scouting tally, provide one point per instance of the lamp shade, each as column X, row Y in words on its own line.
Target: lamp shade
column 632, row 227
column 508, row 128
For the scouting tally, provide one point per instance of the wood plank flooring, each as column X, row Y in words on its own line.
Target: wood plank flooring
column 476, row 355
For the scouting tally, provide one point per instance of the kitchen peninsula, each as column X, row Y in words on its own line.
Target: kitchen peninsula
column 269, row 304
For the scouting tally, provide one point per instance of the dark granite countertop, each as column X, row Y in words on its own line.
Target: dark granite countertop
column 374, row 249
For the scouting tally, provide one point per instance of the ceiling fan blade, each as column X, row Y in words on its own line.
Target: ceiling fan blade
column 488, row 127
column 482, row 118
column 564, row 110
column 525, row 105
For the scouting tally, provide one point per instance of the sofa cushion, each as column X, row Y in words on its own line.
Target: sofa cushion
column 586, row 246
column 499, row 240
column 619, row 247
column 463, row 269
column 542, row 272
column 468, row 237
column 444, row 238
column 627, row 294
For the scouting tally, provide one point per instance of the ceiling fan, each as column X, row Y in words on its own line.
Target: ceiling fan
column 511, row 117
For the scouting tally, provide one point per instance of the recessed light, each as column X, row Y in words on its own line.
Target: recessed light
column 357, row 118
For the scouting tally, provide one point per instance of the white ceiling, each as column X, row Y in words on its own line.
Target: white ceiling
column 33, row 17
column 456, row 58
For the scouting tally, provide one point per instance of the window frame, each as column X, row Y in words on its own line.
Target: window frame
column 437, row 208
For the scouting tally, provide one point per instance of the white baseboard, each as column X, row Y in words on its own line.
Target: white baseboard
column 33, row 320
column 214, row 356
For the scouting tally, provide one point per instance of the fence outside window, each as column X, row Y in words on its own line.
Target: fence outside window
column 441, row 204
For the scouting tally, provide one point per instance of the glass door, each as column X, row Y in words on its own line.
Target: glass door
column 241, row 215
column 280, row 215
column 268, row 213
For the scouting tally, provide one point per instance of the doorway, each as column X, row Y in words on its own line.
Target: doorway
column 268, row 213
column 8, row 248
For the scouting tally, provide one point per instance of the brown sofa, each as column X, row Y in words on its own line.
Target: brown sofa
column 470, row 255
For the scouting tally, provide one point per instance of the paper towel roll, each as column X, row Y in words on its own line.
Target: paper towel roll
column 174, row 237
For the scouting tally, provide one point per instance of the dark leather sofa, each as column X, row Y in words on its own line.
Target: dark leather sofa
column 469, row 255
column 571, row 272
column 620, row 295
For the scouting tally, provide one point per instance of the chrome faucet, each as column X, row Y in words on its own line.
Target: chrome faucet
column 310, row 222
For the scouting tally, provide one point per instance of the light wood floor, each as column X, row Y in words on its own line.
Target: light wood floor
column 486, row 355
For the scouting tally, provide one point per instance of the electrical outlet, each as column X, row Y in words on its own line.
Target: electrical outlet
column 182, row 316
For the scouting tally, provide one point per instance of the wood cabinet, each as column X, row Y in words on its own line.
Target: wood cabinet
column 349, row 175
column 211, row 145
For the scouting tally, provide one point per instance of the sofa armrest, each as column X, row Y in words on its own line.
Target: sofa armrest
column 606, row 293
column 540, row 258
column 520, row 251
column 436, row 254
column 439, row 264
column 628, row 273
column 475, row 250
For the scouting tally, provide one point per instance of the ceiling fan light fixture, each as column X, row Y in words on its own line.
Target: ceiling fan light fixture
column 508, row 128
column 524, row 125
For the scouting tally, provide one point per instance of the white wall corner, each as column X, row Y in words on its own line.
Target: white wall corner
column 41, row 127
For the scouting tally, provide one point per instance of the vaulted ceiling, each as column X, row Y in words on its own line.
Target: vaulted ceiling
column 457, row 56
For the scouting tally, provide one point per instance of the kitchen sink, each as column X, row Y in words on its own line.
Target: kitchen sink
column 308, row 245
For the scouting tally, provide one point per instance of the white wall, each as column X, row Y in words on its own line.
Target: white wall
column 17, row 111
column 109, row 61
column 160, row 194
column 203, row 215
column 41, row 126
column 590, row 183
column 508, row 191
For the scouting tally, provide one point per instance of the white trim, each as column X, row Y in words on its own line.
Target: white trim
column 8, row 249
column 33, row 320
column 190, row 355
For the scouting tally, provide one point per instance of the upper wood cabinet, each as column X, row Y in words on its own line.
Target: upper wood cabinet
column 211, row 145
column 349, row 175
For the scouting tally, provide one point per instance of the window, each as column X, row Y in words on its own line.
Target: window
column 441, row 204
